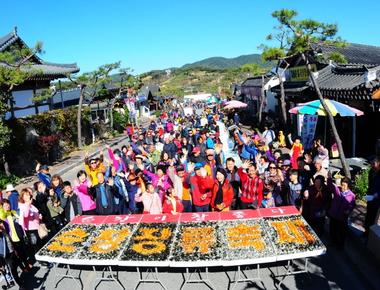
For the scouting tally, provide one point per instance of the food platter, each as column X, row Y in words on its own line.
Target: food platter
column 186, row 240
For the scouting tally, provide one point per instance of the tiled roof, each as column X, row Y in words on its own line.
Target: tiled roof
column 7, row 40
column 153, row 89
column 255, row 81
column 354, row 53
column 46, row 70
column 348, row 78
column 68, row 95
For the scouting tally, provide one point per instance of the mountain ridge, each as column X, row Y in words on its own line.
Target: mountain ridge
column 219, row 62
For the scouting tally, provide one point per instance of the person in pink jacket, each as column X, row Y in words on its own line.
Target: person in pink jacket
column 81, row 189
column 150, row 199
column 160, row 180
column 117, row 160
column 29, row 218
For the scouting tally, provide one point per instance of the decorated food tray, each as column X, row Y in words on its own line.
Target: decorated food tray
column 293, row 237
column 150, row 243
column 245, row 241
column 185, row 240
column 195, row 243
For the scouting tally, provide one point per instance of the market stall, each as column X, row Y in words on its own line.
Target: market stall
column 187, row 240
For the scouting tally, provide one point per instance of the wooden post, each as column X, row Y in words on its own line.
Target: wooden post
column 11, row 103
column 35, row 104
column 60, row 91
column 354, row 136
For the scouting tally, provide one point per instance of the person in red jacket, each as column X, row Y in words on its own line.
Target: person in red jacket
column 222, row 192
column 171, row 204
column 201, row 186
column 252, row 186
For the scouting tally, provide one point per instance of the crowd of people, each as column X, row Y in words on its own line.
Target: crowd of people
column 178, row 164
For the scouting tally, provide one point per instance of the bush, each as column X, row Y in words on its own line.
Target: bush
column 120, row 120
column 4, row 180
column 360, row 187
column 32, row 139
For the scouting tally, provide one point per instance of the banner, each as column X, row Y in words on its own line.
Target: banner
column 307, row 128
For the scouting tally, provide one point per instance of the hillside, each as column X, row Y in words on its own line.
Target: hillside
column 225, row 63
column 212, row 75
column 184, row 81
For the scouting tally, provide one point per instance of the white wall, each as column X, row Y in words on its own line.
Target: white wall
column 271, row 102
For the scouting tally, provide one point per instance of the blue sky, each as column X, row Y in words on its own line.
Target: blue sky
column 158, row 34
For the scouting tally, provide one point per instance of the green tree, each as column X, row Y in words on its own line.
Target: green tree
column 92, row 84
column 125, row 82
column 278, row 54
column 15, row 69
column 296, row 39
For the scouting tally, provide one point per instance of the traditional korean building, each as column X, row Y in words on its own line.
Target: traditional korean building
column 22, row 104
column 250, row 93
column 148, row 96
column 355, row 83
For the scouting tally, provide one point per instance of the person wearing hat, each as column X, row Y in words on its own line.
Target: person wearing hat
column 211, row 163
column 195, row 156
column 222, row 192
column 201, row 188
column 93, row 166
column 12, row 195
column 43, row 174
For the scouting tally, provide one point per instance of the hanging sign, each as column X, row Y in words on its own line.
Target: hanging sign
column 300, row 73
column 308, row 127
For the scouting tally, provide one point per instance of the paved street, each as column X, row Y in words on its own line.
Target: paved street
column 331, row 271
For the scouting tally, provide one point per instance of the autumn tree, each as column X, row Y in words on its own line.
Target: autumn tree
column 298, row 38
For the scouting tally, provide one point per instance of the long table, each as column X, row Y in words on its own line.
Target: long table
column 187, row 240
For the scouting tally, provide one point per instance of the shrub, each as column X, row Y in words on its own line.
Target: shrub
column 4, row 180
column 360, row 187
column 46, row 144
column 30, row 139
column 120, row 119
